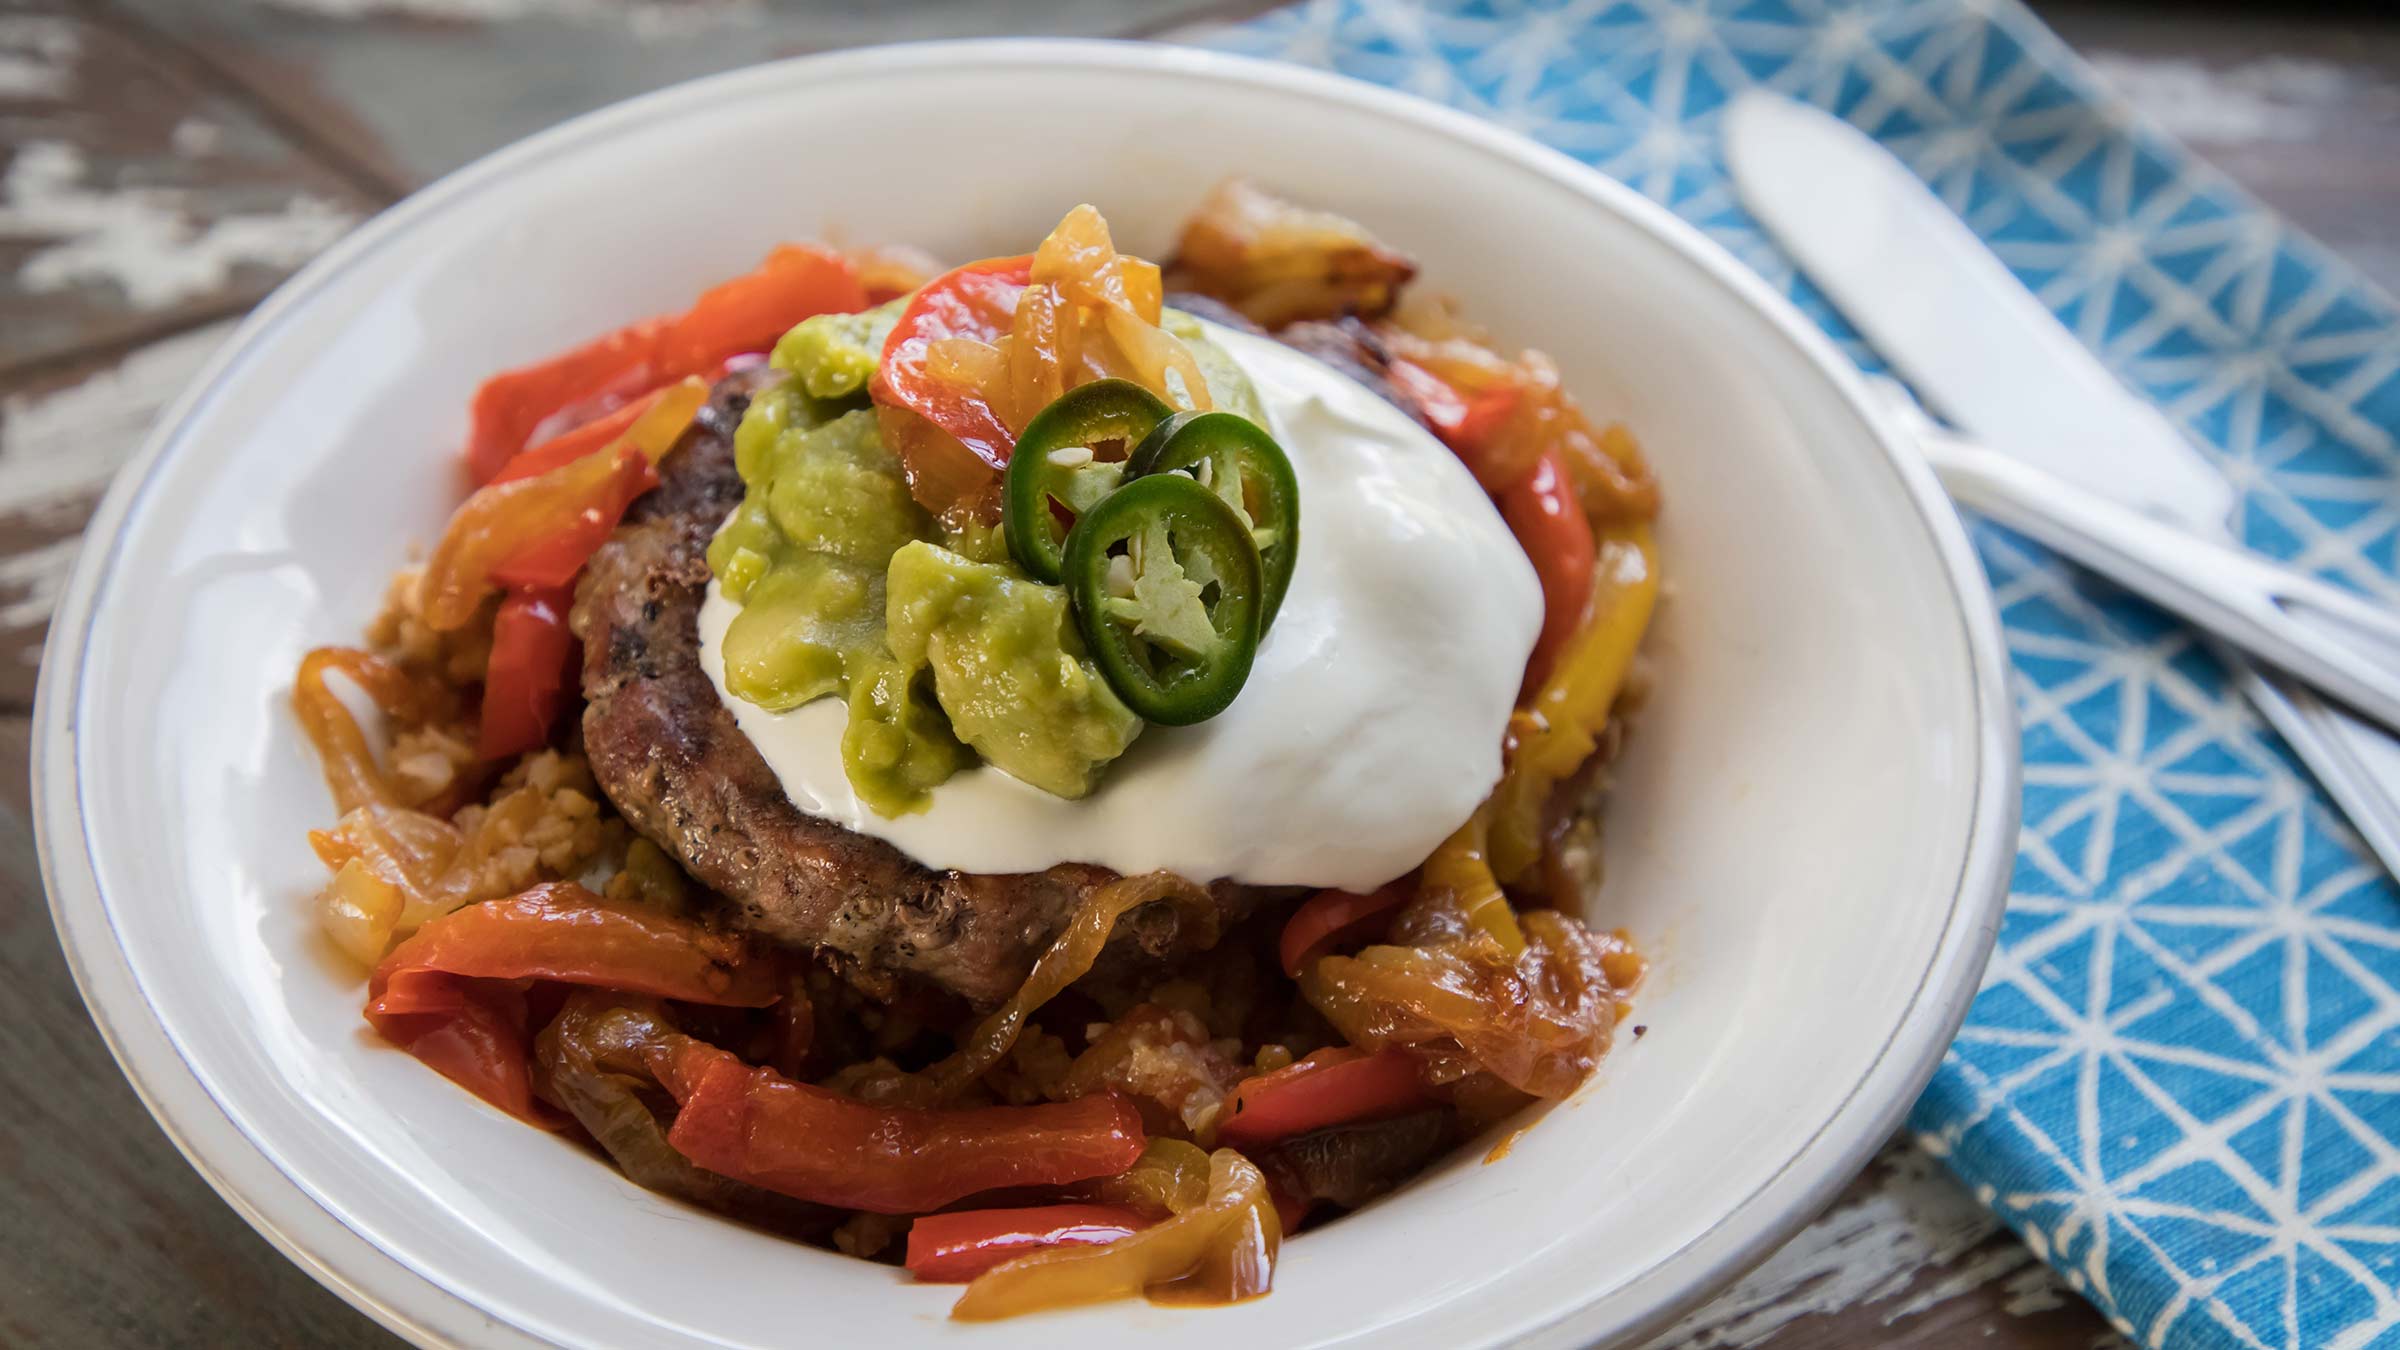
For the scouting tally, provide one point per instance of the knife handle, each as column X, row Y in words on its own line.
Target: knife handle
column 2357, row 762
column 2345, row 646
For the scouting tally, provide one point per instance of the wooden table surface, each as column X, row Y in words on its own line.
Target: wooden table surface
column 168, row 161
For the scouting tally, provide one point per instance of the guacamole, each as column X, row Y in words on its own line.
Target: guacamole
column 942, row 649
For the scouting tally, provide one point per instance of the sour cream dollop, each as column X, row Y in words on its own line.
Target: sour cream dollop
column 1372, row 721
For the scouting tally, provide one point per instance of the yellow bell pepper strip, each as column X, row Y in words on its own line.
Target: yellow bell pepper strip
column 1572, row 708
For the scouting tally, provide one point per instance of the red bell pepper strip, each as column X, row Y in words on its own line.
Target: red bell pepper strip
column 552, row 561
column 748, row 313
column 454, row 994
column 1329, row 918
column 1338, row 1086
column 472, row 1032
column 525, row 681
column 1465, row 422
column 510, row 405
column 560, row 931
column 956, row 1247
column 745, row 314
column 569, row 446
column 755, row 1125
column 1550, row 525
column 977, row 301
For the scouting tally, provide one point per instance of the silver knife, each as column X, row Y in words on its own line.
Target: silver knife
column 2068, row 454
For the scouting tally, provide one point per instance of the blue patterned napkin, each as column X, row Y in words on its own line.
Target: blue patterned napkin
column 2181, row 1082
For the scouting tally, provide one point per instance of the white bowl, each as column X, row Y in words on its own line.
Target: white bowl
column 1811, row 834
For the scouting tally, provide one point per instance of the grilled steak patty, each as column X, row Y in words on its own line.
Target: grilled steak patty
column 666, row 751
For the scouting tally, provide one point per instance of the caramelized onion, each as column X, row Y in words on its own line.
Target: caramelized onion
column 1170, row 1177
column 1079, row 266
column 1220, row 1251
column 349, row 762
column 1068, row 959
column 593, row 1060
column 407, row 850
column 944, row 476
column 1449, row 993
column 358, row 911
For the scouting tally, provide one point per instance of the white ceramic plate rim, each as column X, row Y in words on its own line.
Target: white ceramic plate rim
column 394, row 1294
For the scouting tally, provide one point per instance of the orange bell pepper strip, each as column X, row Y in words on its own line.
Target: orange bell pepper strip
column 956, row 1247
column 525, row 681
column 745, row 314
column 755, row 1125
column 1338, row 1086
column 1542, row 511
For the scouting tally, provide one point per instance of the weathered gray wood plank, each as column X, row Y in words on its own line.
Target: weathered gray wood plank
column 64, row 432
column 413, row 89
column 136, row 200
column 1905, row 1258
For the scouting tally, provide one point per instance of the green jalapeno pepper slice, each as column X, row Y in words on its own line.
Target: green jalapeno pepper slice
column 1053, row 470
column 1168, row 590
column 1234, row 456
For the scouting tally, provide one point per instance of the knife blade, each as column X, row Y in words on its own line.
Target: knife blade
column 1992, row 359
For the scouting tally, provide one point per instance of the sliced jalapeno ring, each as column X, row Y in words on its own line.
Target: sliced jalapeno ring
column 1242, row 463
column 1046, row 477
column 1167, row 586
